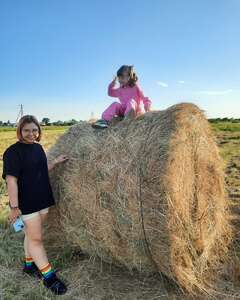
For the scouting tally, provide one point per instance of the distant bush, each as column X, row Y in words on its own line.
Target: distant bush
column 219, row 120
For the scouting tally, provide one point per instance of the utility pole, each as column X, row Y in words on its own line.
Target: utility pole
column 20, row 113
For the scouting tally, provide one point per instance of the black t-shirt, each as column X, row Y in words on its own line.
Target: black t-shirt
column 28, row 162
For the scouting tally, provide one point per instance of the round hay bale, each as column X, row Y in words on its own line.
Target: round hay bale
column 145, row 193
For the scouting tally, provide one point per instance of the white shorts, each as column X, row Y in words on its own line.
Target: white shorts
column 40, row 212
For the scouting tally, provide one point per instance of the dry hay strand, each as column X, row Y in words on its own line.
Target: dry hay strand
column 146, row 193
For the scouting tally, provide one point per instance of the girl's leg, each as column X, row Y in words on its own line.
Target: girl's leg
column 131, row 109
column 33, row 228
column 43, row 215
column 27, row 254
column 34, row 243
column 114, row 109
column 29, row 266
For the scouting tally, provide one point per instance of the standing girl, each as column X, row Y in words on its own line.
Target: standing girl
column 25, row 169
column 130, row 95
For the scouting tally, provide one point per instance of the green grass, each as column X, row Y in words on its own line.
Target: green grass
column 226, row 126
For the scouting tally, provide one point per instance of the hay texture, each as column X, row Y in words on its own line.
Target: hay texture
column 145, row 193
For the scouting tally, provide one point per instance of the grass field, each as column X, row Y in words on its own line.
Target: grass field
column 92, row 279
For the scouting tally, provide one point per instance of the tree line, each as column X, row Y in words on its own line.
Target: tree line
column 47, row 122
column 44, row 122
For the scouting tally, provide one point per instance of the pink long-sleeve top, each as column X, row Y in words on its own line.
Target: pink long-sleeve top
column 125, row 94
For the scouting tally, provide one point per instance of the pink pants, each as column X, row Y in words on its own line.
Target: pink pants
column 120, row 109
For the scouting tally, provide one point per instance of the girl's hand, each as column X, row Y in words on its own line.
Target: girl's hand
column 14, row 213
column 60, row 159
column 114, row 79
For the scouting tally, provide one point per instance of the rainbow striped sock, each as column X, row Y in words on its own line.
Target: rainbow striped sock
column 28, row 261
column 47, row 271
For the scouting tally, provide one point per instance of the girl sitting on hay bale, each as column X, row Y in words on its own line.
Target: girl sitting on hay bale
column 130, row 95
column 25, row 170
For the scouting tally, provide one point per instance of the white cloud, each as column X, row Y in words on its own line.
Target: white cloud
column 216, row 92
column 181, row 81
column 162, row 84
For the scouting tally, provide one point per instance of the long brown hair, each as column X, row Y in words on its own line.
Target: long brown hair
column 132, row 74
column 27, row 120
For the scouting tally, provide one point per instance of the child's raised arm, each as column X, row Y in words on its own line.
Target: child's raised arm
column 112, row 92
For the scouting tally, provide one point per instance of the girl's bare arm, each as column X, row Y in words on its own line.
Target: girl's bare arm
column 12, row 188
column 60, row 159
column 51, row 164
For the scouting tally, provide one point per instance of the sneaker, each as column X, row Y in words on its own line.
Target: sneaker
column 32, row 271
column 100, row 124
column 55, row 285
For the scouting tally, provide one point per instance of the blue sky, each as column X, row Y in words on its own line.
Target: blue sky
column 57, row 56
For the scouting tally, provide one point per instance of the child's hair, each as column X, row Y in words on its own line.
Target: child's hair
column 27, row 120
column 132, row 75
